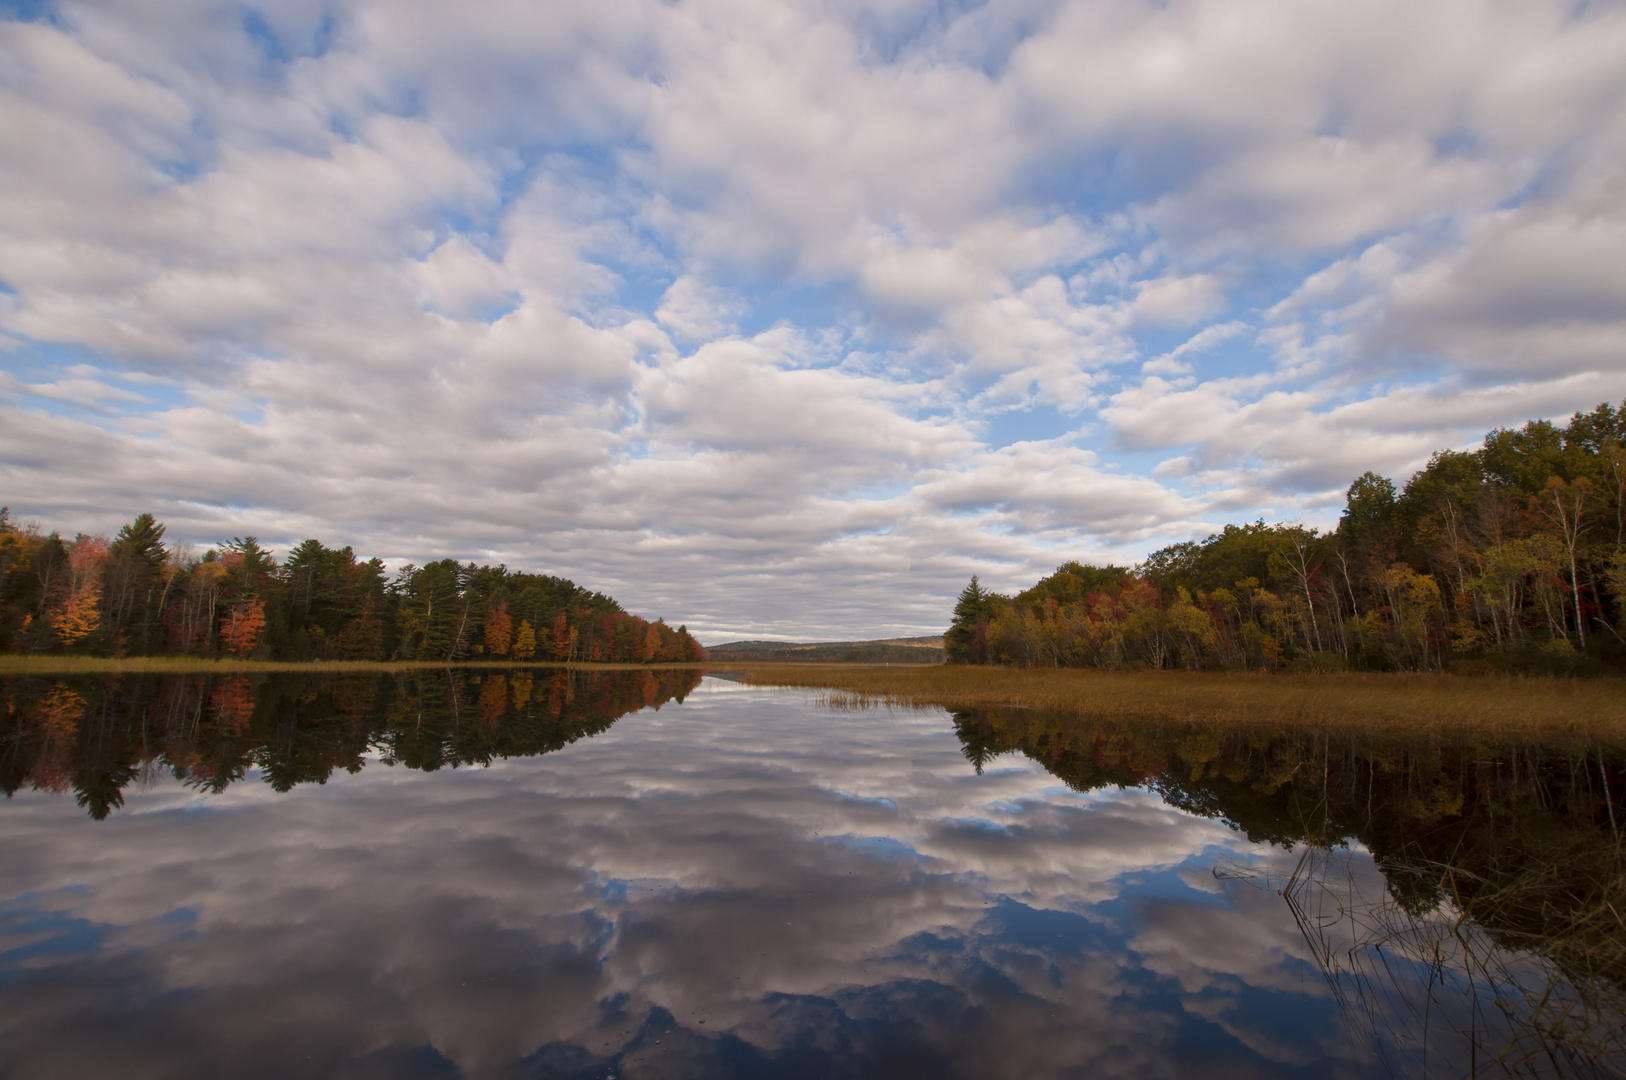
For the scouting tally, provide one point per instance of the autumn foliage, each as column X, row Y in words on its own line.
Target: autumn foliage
column 1510, row 557
column 242, row 628
column 135, row 595
column 524, row 641
column 499, row 633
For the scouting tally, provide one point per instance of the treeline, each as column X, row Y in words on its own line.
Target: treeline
column 135, row 596
column 827, row 652
column 1505, row 557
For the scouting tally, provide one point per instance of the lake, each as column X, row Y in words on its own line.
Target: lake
column 541, row 874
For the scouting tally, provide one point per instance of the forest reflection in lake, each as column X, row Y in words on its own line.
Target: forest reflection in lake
column 741, row 884
column 94, row 737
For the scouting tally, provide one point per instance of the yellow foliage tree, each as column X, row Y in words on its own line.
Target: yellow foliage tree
column 77, row 615
column 525, row 641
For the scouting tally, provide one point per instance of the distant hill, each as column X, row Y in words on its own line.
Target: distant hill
column 916, row 650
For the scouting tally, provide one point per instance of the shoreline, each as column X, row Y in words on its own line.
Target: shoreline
column 1591, row 708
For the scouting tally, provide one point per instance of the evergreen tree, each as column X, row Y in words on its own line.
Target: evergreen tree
column 966, row 640
column 133, row 583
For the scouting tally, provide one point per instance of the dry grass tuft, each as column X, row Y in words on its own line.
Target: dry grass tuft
column 852, row 702
column 1546, row 1002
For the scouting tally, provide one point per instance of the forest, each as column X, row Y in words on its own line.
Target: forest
column 132, row 595
column 1507, row 557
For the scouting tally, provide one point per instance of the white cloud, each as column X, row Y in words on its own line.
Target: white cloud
column 1178, row 301
column 1325, row 192
column 459, row 280
column 1530, row 290
column 697, row 312
column 1171, row 362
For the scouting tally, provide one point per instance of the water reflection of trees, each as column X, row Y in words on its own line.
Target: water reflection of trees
column 1503, row 865
column 95, row 737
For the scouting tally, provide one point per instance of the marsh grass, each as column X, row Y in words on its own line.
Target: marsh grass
column 1592, row 711
column 1485, row 981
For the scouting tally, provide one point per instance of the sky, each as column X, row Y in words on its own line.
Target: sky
column 782, row 319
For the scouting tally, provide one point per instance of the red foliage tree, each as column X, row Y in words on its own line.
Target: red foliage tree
column 561, row 638
column 242, row 627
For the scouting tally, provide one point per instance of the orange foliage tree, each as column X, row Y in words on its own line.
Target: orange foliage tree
column 77, row 615
column 499, row 630
column 77, row 611
column 242, row 628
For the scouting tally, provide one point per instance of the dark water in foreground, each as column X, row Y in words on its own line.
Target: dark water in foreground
column 450, row 875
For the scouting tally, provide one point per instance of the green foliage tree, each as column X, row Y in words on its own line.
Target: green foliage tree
column 133, row 582
column 966, row 640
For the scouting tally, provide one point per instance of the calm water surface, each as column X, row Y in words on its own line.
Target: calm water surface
column 550, row 876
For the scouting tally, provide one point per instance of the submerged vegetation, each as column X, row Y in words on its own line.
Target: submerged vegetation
column 1511, row 557
column 135, row 596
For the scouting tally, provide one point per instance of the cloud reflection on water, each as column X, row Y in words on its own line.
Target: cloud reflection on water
column 762, row 887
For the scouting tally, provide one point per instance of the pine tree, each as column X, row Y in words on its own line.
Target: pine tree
column 965, row 643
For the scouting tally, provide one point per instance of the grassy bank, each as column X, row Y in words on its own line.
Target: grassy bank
column 1592, row 710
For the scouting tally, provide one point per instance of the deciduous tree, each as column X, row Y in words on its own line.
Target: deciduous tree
column 241, row 629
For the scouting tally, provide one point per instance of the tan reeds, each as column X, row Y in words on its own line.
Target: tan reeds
column 855, row 702
column 1591, row 710
column 1547, row 1001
